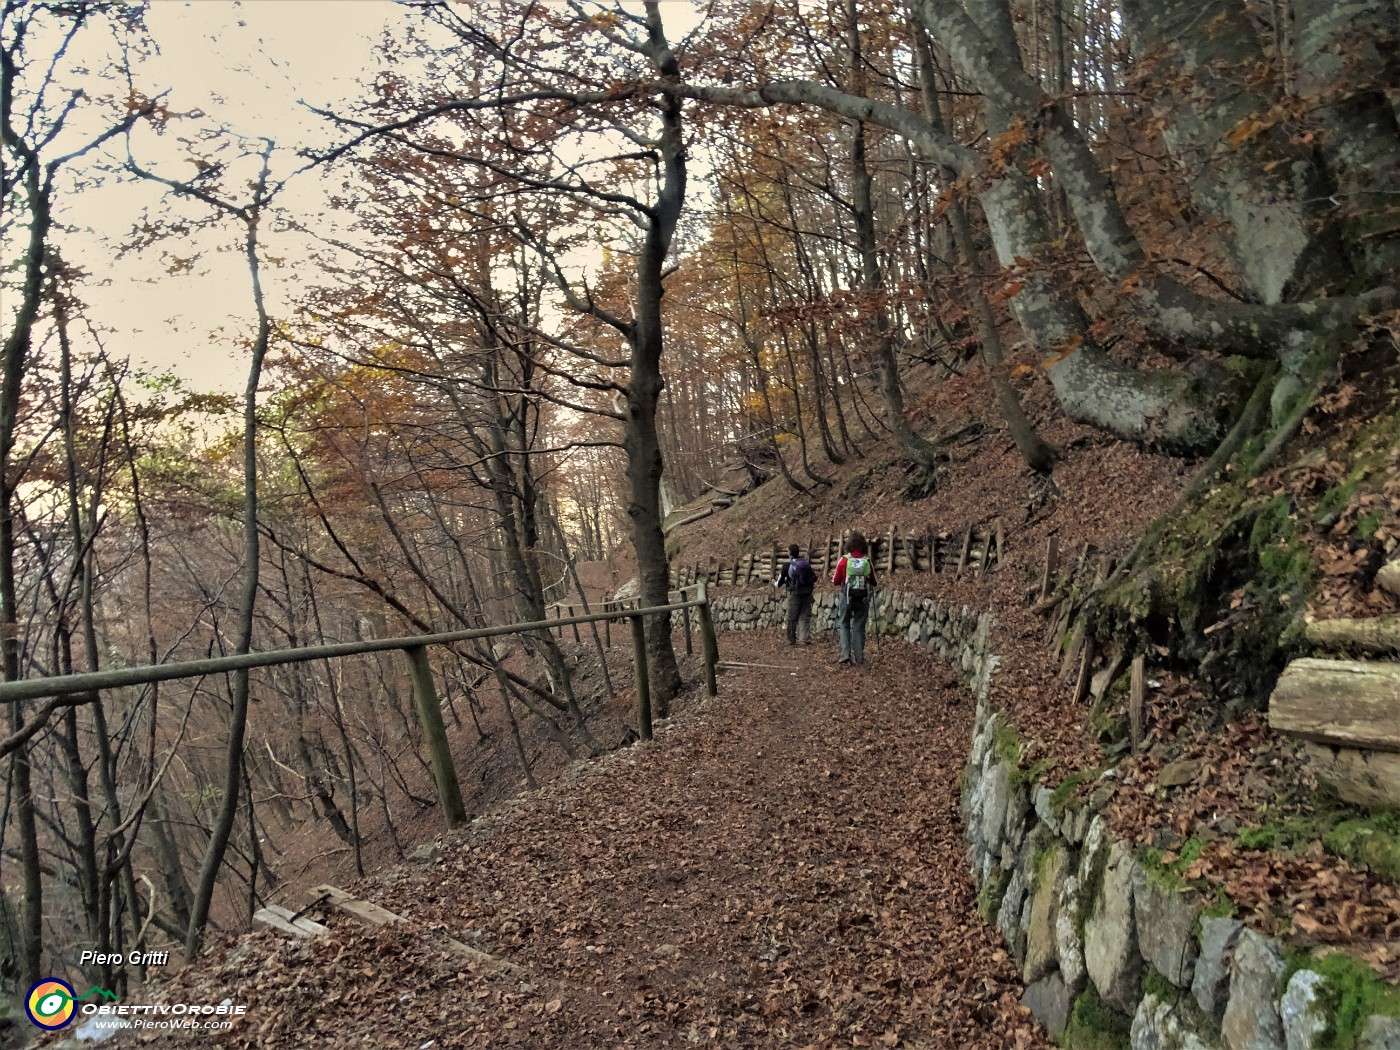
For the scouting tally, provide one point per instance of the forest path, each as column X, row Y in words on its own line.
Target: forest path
column 782, row 867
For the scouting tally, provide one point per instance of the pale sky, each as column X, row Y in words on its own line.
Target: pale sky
column 247, row 65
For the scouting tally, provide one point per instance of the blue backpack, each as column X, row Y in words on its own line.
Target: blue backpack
column 800, row 575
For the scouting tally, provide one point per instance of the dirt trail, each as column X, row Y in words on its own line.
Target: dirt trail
column 783, row 867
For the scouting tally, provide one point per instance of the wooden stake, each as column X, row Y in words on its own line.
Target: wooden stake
column 1135, row 698
column 435, row 734
column 889, row 555
column 707, row 637
column 1052, row 554
column 1076, row 640
column 1081, row 681
column 966, row 550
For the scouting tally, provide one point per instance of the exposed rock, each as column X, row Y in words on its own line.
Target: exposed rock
column 1251, row 1018
column 426, row 853
column 1166, row 925
column 1017, row 809
column 1217, row 940
column 1110, row 949
column 1175, row 774
column 1009, row 916
column 991, row 807
column 1041, row 801
column 1158, row 1025
column 1068, row 948
column 1050, row 1001
column 1041, row 951
column 1093, row 842
column 1380, row 1033
column 1302, row 1017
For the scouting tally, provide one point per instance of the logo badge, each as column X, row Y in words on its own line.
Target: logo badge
column 50, row 1004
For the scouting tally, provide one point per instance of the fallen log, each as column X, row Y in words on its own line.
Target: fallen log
column 1368, row 778
column 688, row 520
column 1340, row 702
column 1388, row 576
column 1380, row 634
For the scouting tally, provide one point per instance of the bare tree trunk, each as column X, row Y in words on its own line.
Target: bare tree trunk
column 238, row 712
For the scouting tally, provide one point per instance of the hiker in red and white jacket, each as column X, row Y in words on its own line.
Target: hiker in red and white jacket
column 855, row 576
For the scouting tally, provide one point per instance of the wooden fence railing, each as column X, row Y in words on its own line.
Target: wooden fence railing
column 893, row 552
column 85, row 688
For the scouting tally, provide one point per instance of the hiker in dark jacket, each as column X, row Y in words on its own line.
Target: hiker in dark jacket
column 799, row 578
column 855, row 578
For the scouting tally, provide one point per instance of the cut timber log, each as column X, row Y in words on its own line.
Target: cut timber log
column 1368, row 778
column 1379, row 634
column 1388, row 577
column 373, row 915
column 288, row 921
column 1339, row 702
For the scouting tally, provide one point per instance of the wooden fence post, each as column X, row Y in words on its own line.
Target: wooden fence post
column 435, row 733
column 707, row 639
column 685, row 617
column 1135, row 696
column 966, row 550
column 642, row 675
column 607, row 624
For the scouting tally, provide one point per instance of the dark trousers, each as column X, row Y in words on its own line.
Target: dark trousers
column 799, row 618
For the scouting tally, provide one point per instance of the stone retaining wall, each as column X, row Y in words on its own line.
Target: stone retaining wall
column 1114, row 952
column 1111, row 944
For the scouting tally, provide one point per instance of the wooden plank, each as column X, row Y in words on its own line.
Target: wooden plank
column 889, row 554
column 359, row 910
column 1135, row 698
column 373, row 915
column 1339, row 702
column 288, row 921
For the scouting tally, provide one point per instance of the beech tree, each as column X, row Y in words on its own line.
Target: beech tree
column 1172, row 408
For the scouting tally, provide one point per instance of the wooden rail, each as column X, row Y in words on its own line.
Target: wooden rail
column 415, row 649
column 892, row 552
